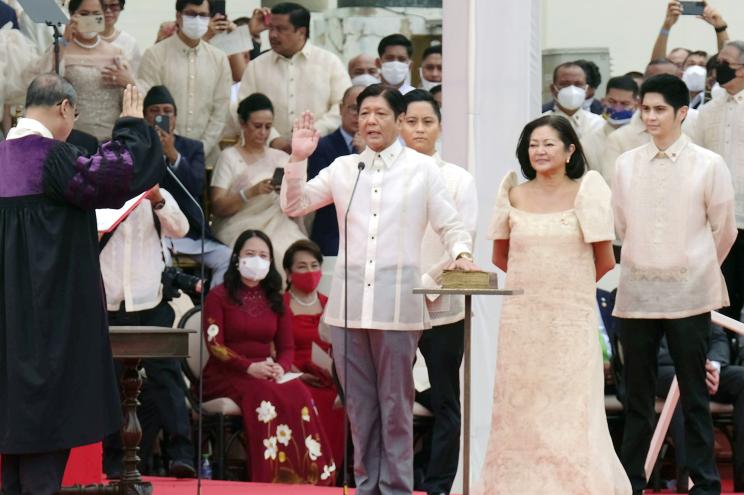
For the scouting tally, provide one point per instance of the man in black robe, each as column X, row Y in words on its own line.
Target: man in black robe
column 57, row 383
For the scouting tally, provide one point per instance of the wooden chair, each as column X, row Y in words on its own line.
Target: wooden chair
column 222, row 419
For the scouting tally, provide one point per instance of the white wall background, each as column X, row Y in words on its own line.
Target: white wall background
column 629, row 28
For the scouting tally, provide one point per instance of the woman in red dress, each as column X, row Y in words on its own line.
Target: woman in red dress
column 244, row 318
column 302, row 264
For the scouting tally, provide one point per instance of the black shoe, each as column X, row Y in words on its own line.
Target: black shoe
column 182, row 469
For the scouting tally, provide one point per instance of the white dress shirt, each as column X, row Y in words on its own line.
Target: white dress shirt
column 632, row 136
column 400, row 192
column 132, row 261
column 594, row 145
column 674, row 213
column 313, row 79
column 446, row 309
column 199, row 79
column 583, row 122
column 720, row 128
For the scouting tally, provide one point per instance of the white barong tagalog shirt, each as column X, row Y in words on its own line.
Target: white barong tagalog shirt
column 674, row 213
column 132, row 261
column 435, row 258
column 199, row 79
column 720, row 128
column 313, row 79
column 400, row 192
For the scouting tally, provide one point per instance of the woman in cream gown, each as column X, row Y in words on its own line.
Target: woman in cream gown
column 552, row 236
column 241, row 190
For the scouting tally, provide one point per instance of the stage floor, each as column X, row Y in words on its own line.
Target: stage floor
column 170, row 486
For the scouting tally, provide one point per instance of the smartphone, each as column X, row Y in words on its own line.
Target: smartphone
column 91, row 24
column 218, row 7
column 693, row 8
column 163, row 121
column 276, row 180
column 266, row 19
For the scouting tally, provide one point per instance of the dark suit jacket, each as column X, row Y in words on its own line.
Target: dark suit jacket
column 720, row 348
column 325, row 226
column 7, row 14
column 191, row 171
column 596, row 107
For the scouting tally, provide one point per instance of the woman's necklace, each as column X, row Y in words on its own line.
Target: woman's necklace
column 111, row 37
column 301, row 302
column 89, row 47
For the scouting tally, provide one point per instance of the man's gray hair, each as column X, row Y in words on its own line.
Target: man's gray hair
column 739, row 45
column 47, row 90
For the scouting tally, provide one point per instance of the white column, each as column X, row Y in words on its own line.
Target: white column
column 491, row 89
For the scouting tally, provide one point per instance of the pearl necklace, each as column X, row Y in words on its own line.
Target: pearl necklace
column 89, row 47
column 110, row 38
column 301, row 302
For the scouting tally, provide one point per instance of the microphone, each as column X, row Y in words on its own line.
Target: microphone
column 360, row 167
column 202, row 276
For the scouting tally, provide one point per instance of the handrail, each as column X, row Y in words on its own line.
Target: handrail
column 662, row 426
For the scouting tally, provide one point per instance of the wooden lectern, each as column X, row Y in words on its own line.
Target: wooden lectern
column 468, row 293
column 130, row 345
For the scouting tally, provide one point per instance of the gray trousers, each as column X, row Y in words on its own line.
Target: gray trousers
column 379, row 402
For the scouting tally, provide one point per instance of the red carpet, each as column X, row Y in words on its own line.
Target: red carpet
column 170, row 486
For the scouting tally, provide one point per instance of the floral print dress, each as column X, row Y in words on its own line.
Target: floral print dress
column 285, row 441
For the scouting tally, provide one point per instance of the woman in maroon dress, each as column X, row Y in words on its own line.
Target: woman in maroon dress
column 244, row 318
column 302, row 262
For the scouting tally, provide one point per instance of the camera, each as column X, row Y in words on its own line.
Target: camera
column 174, row 281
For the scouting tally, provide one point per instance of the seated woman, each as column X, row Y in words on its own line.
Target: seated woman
column 244, row 318
column 242, row 194
column 96, row 68
column 302, row 264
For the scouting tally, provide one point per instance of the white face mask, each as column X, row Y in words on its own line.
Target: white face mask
column 425, row 83
column 571, row 97
column 718, row 92
column 194, row 27
column 694, row 78
column 394, row 72
column 90, row 35
column 253, row 267
column 364, row 80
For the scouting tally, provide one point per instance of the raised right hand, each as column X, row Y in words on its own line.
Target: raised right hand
column 257, row 24
column 674, row 10
column 305, row 137
column 71, row 28
column 131, row 103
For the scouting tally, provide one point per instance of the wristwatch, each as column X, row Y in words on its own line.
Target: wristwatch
column 465, row 255
column 721, row 29
column 159, row 205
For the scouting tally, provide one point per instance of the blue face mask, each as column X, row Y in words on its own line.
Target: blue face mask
column 618, row 117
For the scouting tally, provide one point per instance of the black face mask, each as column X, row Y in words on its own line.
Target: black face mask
column 724, row 73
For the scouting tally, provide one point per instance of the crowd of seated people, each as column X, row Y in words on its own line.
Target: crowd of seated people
column 264, row 266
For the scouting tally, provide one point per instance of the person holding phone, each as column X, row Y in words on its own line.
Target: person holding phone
column 185, row 157
column 703, row 11
column 96, row 68
column 244, row 196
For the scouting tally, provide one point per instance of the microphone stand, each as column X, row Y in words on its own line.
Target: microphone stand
column 360, row 166
column 202, row 276
column 57, row 36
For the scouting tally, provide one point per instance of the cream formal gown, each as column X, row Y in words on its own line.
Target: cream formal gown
column 549, row 433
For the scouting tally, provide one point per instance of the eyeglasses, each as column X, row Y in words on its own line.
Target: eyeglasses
column 191, row 13
column 77, row 112
column 113, row 7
